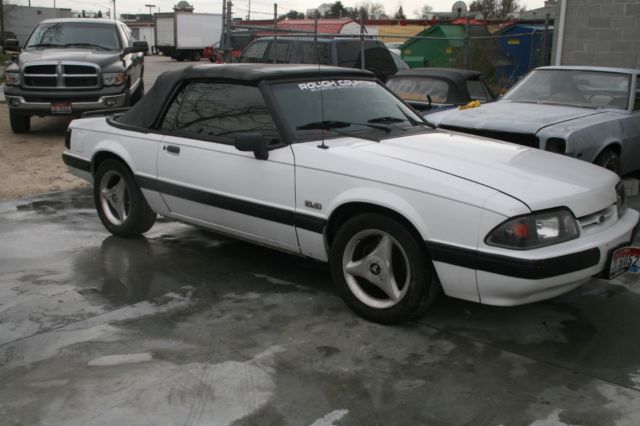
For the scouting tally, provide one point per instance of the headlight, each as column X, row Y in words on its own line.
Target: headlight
column 535, row 230
column 12, row 78
column 113, row 78
column 621, row 198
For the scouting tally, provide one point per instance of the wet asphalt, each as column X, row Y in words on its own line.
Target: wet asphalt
column 185, row 327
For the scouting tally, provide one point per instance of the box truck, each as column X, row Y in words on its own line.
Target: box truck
column 183, row 35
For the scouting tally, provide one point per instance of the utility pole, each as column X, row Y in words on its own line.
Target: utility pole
column 150, row 6
column 275, row 29
column 227, row 41
column 249, row 11
column 114, row 10
column 2, row 20
column 362, row 64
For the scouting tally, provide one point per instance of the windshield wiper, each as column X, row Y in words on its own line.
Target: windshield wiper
column 332, row 125
column 415, row 122
column 86, row 45
column 45, row 45
column 386, row 120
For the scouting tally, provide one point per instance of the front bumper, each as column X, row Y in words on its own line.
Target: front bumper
column 27, row 107
column 526, row 277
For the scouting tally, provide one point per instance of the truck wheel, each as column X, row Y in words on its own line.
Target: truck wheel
column 610, row 160
column 195, row 56
column 121, row 206
column 380, row 270
column 19, row 123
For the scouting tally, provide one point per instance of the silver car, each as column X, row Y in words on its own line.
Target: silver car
column 589, row 113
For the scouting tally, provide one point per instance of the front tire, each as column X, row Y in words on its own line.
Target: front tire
column 610, row 160
column 381, row 270
column 121, row 206
column 19, row 123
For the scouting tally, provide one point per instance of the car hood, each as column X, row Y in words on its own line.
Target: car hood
column 539, row 179
column 98, row 57
column 507, row 116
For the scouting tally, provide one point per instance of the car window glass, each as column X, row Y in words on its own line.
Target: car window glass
column 80, row 33
column 477, row 90
column 354, row 102
column 584, row 88
column 311, row 53
column 215, row 110
column 278, row 52
column 254, row 52
column 417, row 89
column 636, row 103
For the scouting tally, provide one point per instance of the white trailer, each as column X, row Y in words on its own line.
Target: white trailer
column 184, row 35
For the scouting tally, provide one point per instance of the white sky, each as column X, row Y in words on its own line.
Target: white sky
column 260, row 9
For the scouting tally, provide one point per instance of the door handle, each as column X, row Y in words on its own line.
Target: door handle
column 173, row 149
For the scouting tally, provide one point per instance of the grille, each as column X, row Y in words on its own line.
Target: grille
column 599, row 220
column 62, row 76
column 520, row 138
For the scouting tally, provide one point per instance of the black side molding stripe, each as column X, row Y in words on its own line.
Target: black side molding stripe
column 274, row 214
column 511, row 266
column 76, row 163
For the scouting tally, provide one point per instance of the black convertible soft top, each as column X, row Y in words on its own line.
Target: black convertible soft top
column 146, row 111
column 455, row 77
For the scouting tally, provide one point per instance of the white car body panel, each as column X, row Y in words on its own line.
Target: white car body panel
column 203, row 165
column 452, row 188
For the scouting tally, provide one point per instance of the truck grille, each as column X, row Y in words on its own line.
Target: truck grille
column 520, row 138
column 61, row 75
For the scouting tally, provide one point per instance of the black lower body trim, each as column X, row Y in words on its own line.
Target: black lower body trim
column 76, row 163
column 511, row 266
column 274, row 214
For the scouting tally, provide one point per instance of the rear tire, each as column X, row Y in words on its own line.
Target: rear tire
column 121, row 206
column 381, row 270
column 19, row 123
column 610, row 160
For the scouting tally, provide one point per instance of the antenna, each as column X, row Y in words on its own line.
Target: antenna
column 316, row 47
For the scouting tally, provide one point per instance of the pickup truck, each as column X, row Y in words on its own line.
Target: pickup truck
column 70, row 66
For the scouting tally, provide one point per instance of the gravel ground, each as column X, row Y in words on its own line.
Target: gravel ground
column 31, row 163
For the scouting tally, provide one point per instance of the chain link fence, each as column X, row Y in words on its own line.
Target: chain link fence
column 503, row 56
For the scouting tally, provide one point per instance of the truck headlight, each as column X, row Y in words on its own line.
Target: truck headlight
column 535, row 230
column 12, row 78
column 113, row 78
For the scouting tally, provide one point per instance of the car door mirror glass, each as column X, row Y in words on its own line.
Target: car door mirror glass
column 252, row 142
column 11, row 44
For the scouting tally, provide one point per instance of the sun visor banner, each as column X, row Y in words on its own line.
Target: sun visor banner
column 315, row 86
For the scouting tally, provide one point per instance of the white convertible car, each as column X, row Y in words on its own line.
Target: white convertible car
column 327, row 163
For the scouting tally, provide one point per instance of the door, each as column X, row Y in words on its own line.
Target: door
column 204, row 179
column 630, row 158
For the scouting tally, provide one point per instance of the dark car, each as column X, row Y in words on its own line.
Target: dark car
column 70, row 66
column 434, row 89
column 307, row 50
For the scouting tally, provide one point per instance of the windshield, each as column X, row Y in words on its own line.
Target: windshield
column 75, row 34
column 582, row 88
column 420, row 89
column 352, row 106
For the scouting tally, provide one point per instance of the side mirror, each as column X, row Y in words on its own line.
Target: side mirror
column 11, row 44
column 253, row 142
column 138, row 46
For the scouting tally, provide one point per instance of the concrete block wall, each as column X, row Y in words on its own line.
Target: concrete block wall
column 601, row 33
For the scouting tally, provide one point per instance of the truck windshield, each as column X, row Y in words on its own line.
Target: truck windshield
column 341, row 106
column 75, row 35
